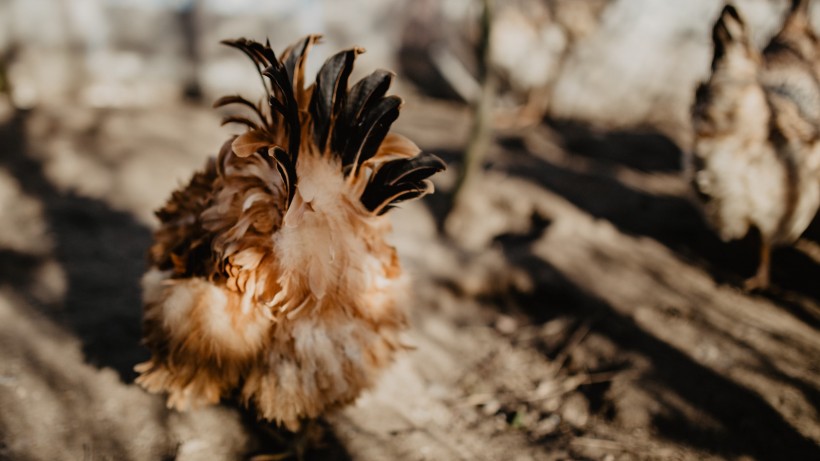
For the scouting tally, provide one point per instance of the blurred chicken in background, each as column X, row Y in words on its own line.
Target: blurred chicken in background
column 756, row 157
column 529, row 40
column 526, row 50
column 271, row 277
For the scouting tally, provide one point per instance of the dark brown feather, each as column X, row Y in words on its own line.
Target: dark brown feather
column 329, row 94
column 400, row 180
column 374, row 125
column 362, row 96
column 226, row 100
column 240, row 120
column 287, row 170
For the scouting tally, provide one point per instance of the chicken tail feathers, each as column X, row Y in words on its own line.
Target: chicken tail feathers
column 353, row 123
column 399, row 180
column 366, row 102
column 294, row 61
column 329, row 94
column 286, row 77
column 347, row 123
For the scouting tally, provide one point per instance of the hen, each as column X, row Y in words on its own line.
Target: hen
column 271, row 279
column 756, row 154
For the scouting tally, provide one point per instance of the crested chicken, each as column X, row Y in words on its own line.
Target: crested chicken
column 270, row 276
column 756, row 157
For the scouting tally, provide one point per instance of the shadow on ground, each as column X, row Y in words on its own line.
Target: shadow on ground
column 669, row 219
column 748, row 425
column 102, row 252
column 644, row 150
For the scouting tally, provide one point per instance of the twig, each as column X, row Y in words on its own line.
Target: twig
column 598, row 443
column 573, row 342
column 480, row 134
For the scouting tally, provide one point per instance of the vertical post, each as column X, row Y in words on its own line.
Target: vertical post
column 188, row 15
column 481, row 131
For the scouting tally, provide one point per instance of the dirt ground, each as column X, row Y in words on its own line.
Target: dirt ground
column 577, row 307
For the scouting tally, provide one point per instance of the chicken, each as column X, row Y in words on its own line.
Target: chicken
column 756, row 153
column 271, row 278
column 527, row 49
column 442, row 50
column 529, row 43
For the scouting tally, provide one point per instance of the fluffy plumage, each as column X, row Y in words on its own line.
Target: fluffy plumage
column 270, row 275
column 757, row 153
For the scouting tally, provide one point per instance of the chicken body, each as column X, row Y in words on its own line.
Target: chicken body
column 756, row 156
column 271, row 278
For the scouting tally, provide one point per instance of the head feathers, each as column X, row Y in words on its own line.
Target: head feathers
column 728, row 30
column 347, row 124
column 801, row 6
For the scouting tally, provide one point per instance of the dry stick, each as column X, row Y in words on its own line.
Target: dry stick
column 598, row 443
column 574, row 382
column 574, row 341
column 480, row 134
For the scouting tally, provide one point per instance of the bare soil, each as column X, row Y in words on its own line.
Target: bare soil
column 576, row 308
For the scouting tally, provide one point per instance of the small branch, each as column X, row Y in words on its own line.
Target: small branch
column 480, row 134
column 598, row 443
column 574, row 341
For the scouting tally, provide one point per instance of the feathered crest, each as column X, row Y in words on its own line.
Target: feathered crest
column 279, row 123
column 728, row 29
column 801, row 6
column 348, row 123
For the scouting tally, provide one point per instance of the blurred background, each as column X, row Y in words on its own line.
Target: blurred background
column 570, row 301
column 622, row 62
